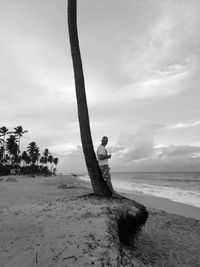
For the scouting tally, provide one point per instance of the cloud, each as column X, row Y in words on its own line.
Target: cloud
column 137, row 152
column 152, row 57
column 178, row 151
column 138, row 146
column 163, row 84
column 171, row 158
column 184, row 125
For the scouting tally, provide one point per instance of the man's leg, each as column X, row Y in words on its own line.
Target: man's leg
column 107, row 177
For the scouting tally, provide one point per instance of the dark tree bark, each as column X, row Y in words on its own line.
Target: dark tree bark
column 99, row 185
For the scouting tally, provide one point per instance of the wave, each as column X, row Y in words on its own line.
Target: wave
column 190, row 197
column 183, row 180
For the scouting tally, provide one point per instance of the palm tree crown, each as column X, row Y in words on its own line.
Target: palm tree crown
column 4, row 131
column 11, row 144
column 18, row 131
column 55, row 161
column 33, row 151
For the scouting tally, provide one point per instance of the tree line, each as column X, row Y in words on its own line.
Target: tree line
column 31, row 161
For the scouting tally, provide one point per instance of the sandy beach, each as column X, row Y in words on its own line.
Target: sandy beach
column 51, row 221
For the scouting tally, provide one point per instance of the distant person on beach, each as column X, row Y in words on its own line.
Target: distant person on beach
column 102, row 157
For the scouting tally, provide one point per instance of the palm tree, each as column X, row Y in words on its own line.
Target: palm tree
column 46, row 154
column 98, row 184
column 1, row 154
column 3, row 132
column 12, row 147
column 37, row 155
column 1, row 150
column 42, row 160
column 19, row 132
column 33, row 151
column 55, row 161
column 50, row 160
column 25, row 157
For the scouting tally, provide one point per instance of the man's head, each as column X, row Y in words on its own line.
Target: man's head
column 104, row 140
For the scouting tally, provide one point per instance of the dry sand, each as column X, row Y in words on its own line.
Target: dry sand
column 43, row 223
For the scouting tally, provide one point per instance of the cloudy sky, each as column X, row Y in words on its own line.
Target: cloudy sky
column 141, row 62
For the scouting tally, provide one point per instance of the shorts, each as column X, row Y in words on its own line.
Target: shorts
column 105, row 170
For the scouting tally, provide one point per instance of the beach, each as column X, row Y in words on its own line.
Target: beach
column 51, row 221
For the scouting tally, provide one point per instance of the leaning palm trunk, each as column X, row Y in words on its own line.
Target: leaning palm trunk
column 98, row 184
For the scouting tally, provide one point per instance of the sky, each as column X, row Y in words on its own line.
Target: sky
column 141, row 61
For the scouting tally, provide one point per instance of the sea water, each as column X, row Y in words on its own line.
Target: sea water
column 183, row 187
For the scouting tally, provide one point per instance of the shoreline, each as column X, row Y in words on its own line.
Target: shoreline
column 166, row 205
column 159, row 203
column 47, row 221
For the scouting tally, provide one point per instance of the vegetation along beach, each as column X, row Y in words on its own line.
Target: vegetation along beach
column 30, row 161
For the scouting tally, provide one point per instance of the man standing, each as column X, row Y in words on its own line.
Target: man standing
column 102, row 157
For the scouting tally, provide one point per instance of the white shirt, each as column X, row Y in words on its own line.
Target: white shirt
column 101, row 150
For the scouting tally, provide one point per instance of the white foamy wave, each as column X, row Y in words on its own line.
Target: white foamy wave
column 190, row 197
column 174, row 194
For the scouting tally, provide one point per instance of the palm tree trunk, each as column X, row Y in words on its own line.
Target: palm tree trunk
column 98, row 184
column 4, row 139
column 18, row 147
column 18, row 151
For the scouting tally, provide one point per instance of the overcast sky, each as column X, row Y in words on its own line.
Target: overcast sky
column 141, row 63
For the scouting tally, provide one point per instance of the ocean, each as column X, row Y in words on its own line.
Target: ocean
column 183, row 187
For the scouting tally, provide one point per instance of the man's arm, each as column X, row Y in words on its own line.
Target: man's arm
column 102, row 157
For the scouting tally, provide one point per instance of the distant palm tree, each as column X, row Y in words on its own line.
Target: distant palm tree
column 3, row 132
column 33, row 151
column 25, row 157
column 19, row 132
column 46, row 154
column 12, row 147
column 1, row 154
column 50, row 160
column 37, row 155
column 55, row 161
column 42, row 160
column 99, row 185
column 1, row 150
